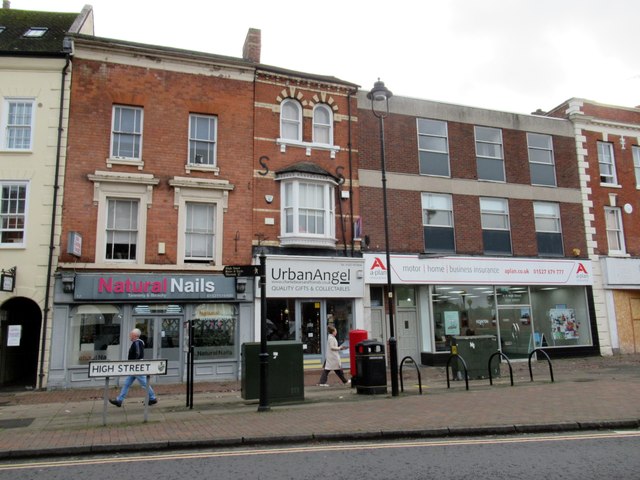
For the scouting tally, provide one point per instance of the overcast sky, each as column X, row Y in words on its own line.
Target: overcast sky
column 511, row 55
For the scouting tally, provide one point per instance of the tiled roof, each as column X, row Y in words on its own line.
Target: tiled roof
column 17, row 22
column 306, row 167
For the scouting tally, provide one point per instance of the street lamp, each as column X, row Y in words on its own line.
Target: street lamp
column 380, row 95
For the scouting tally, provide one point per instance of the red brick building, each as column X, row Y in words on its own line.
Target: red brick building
column 607, row 139
column 180, row 163
column 486, row 230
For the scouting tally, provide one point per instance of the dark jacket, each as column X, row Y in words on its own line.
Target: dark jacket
column 136, row 351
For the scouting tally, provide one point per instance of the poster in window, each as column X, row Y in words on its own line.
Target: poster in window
column 563, row 324
column 451, row 323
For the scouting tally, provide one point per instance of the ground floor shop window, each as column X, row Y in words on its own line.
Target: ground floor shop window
column 561, row 316
column 214, row 331
column 95, row 333
column 306, row 321
column 521, row 317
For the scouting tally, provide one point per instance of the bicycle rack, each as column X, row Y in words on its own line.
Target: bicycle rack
column 548, row 360
column 417, row 370
column 502, row 355
column 464, row 365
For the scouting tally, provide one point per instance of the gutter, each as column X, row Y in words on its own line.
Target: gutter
column 52, row 246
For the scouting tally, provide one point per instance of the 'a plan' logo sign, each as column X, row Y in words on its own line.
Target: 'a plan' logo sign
column 378, row 264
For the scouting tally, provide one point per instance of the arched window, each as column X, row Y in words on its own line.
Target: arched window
column 291, row 120
column 322, row 124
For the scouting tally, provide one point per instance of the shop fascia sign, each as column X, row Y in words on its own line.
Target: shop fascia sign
column 305, row 277
column 150, row 287
column 412, row 269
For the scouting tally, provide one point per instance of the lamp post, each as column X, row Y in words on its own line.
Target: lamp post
column 380, row 94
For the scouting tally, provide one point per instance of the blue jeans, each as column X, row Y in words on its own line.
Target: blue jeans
column 129, row 381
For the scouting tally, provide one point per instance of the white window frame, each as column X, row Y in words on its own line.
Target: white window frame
column 19, row 184
column 615, row 214
column 498, row 158
column 114, row 185
column 548, row 212
column 428, row 206
column 295, row 122
column 200, row 190
column 210, row 164
column 608, row 161
column 207, row 231
column 137, row 135
column 492, row 213
column 532, row 149
column 427, row 134
column 319, row 126
column 290, row 195
column 636, row 163
column 134, row 230
column 7, row 127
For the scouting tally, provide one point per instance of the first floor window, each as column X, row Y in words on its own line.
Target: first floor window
column 636, row 163
column 18, row 124
column 437, row 221
column 200, row 232
column 548, row 233
column 122, row 229
column 13, row 214
column 308, row 212
column 496, row 233
column 615, row 237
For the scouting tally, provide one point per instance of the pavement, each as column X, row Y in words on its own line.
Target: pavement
column 586, row 394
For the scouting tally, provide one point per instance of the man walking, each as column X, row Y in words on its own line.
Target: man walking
column 136, row 352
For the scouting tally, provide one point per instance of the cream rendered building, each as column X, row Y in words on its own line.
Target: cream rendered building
column 35, row 73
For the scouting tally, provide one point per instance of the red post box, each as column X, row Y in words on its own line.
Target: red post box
column 355, row 337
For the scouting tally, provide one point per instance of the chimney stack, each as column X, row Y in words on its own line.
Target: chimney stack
column 251, row 49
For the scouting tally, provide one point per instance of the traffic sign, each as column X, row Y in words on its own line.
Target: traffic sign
column 242, row 271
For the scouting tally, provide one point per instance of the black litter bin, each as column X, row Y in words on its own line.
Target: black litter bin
column 371, row 367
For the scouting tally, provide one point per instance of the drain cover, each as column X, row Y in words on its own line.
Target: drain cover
column 16, row 422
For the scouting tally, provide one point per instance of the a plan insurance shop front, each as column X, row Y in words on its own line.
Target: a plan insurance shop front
column 525, row 303
column 93, row 318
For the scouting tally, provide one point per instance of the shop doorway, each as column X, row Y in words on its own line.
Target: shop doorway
column 161, row 335
column 306, row 321
column 20, row 326
column 516, row 331
column 406, row 325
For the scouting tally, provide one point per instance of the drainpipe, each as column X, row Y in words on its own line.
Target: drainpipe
column 56, row 187
column 353, row 244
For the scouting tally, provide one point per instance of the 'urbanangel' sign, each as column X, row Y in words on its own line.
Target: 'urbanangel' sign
column 124, row 368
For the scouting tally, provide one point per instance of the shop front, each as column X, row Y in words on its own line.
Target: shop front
column 94, row 313
column 622, row 289
column 524, row 303
column 307, row 294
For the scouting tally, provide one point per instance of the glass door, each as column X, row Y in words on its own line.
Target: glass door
column 516, row 331
column 311, row 327
column 161, row 337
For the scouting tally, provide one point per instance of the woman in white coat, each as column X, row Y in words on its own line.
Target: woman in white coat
column 332, row 361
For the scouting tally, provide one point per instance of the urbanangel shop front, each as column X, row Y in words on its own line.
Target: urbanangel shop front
column 94, row 313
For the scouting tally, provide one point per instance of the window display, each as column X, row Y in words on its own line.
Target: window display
column 214, row 326
column 95, row 333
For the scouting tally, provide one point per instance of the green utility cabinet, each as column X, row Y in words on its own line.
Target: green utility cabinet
column 285, row 376
column 476, row 351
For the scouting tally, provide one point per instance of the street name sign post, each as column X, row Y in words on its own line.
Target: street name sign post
column 125, row 368
column 242, row 270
